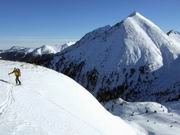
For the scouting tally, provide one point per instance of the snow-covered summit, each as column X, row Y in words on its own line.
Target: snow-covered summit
column 124, row 60
column 49, row 103
column 136, row 40
column 112, row 56
column 134, row 14
column 44, row 50
column 155, row 46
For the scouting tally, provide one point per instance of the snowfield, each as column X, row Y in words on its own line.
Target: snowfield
column 157, row 119
column 49, row 103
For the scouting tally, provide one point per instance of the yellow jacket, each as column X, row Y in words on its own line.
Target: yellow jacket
column 17, row 72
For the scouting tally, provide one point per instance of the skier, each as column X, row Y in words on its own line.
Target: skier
column 17, row 74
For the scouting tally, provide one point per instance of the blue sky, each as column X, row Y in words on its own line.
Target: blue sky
column 37, row 22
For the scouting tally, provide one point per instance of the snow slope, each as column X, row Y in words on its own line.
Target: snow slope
column 169, row 81
column 49, row 103
column 126, row 57
column 155, row 118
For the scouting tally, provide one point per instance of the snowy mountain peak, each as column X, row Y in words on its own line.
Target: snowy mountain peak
column 44, row 50
column 105, row 58
column 135, row 13
column 136, row 16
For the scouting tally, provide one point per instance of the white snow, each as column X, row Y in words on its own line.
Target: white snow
column 155, row 118
column 51, row 49
column 170, row 80
column 59, row 48
column 44, row 50
column 49, row 103
column 133, row 42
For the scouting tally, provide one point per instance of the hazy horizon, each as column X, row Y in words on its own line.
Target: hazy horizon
column 32, row 42
column 38, row 22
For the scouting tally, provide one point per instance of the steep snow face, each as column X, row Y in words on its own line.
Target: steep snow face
column 175, row 35
column 157, row 119
column 135, row 41
column 126, row 56
column 155, row 46
column 168, row 84
column 49, row 103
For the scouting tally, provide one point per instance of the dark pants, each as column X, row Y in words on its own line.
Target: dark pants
column 18, row 82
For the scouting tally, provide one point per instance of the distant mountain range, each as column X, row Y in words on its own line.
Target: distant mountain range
column 39, row 55
column 134, row 60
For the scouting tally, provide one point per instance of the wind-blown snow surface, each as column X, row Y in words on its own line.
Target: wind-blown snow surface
column 126, row 57
column 49, row 103
column 155, row 118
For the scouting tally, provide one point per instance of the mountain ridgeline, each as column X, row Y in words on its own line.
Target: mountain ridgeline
column 41, row 55
column 134, row 60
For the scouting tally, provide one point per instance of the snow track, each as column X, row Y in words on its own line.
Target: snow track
column 49, row 103
column 7, row 102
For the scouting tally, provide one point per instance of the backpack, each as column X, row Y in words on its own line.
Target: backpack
column 18, row 72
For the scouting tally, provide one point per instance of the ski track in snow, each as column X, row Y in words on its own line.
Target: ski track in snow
column 7, row 102
column 35, row 109
column 10, row 98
